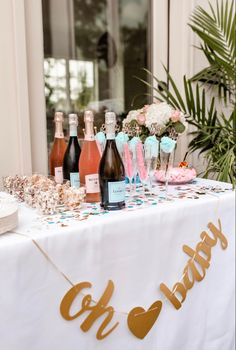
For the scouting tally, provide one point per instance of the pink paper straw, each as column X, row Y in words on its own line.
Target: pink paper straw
column 140, row 159
column 128, row 161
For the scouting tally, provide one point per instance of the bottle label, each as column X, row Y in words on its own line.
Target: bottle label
column 58, row 175
column 74, row 180
column 59, row 135
column 59, row 131
column 116, row 191
column 73, row 130
column 92, row 183
column 110, row 136
column 89, row 137
column 89, row 130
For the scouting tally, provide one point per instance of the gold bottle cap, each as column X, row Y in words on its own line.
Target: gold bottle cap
column 73, row 119
column 58, row 117
column 88, row 116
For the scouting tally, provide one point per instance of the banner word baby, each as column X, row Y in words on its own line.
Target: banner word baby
column 197, row 261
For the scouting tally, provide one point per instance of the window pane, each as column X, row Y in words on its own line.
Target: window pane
column 92, row 51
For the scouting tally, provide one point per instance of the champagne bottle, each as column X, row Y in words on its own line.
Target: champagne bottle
column 72, row 154
column 111, row 170
column 89, row 161
column 58, row 149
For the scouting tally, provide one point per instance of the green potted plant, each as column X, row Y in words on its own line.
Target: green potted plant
column 214, row 130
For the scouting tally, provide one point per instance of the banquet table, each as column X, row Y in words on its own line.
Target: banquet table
column 138, row 249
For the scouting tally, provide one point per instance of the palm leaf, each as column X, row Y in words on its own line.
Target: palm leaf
column 217, row 32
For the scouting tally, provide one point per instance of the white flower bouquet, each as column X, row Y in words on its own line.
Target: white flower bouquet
column 158, row 119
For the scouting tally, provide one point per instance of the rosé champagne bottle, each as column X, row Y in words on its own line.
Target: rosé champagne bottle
column 58, row 149
column 89, row 161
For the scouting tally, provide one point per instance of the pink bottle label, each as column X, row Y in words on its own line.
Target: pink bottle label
column 92, row 183
column 59, row 135
column 89, row 137
column 59, row 131
column 59, row 175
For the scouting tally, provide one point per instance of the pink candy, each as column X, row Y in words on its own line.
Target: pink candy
column 177, row 175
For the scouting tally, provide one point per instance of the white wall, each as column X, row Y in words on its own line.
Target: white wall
column 22, row 117
column 185, row 59
column 15, row 144
column 159, row 34
column 35, row 78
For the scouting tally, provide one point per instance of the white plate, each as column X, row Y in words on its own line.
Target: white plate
column 8, row 213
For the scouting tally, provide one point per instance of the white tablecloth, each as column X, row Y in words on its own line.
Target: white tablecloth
column 137, row 250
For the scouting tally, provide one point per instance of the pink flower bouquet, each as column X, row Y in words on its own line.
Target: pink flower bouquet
column 158, row 119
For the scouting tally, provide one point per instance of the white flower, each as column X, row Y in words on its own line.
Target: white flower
column 158, row 114
column 132, row 115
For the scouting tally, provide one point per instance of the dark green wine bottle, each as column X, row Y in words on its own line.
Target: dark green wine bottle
column 111, row 170
column 72, row 154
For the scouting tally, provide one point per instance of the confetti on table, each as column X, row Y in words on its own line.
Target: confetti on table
column 136, row 200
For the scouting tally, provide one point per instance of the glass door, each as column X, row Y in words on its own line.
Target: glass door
column 93, row 50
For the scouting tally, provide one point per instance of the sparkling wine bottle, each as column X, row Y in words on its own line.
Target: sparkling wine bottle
column 89, row 161
column 72, row 154
column 111, row 170
column 58, row 149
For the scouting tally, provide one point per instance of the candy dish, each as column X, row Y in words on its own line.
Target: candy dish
column 177, row 175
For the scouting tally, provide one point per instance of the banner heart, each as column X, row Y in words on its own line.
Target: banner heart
column 140, row 321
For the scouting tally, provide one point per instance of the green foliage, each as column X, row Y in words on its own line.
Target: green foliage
column 179, row 127
column 217, row 32
column 214, row 132
column 144, row 132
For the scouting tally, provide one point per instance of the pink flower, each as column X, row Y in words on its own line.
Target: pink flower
column 141, row 119
column 175, row 116
column 145, row 108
